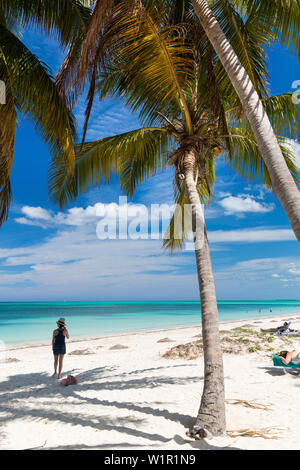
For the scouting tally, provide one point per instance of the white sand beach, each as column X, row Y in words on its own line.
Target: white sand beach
column 130, row 397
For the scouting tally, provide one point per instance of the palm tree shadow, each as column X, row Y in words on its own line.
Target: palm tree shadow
column 201, row 445
column 48, row 390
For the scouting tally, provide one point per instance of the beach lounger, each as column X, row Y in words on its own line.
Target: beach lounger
column 285, row 330
column 282, row 329
column 292, row 364
column 290, row 333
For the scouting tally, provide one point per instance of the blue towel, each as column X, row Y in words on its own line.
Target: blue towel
column 278, row 362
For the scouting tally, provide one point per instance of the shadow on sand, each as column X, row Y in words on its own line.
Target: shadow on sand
column 48, row 391
column 276, row 371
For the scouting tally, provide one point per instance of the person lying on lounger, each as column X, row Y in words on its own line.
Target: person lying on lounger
column 279, row 329
column 288, row 356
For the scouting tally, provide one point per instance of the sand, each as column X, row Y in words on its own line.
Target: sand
column 130, row 397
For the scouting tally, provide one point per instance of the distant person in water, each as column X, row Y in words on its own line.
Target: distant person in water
column 59, row 346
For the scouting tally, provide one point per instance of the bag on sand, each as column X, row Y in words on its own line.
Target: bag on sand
column 70, row 380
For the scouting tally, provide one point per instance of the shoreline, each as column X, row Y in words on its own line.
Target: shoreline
column 36, row 344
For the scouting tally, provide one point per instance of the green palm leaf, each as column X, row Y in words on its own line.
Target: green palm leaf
column 132, row 156
column 282, row 18
column 246, row 159
column 63, row 18
column 249, row 36
column 7, row 140
column 36, row 96
column 180, row 225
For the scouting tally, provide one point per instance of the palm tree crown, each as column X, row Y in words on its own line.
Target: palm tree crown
column 170, row 75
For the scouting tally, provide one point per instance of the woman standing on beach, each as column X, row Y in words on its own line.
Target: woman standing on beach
column 59, row 345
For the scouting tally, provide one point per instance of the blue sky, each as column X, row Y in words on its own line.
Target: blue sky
column 46, row 254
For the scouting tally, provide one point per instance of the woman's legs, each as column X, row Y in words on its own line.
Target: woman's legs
column 61, row 358
column 55, row 365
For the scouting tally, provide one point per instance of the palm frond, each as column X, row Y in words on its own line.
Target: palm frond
column 180, row 225
column 158, row 63
column 61, row 18
column 247, row 162
column 283, row 114
column 249, row 36
column 7, row 140
column 36, row 96
column 282, row 18
column 132, row 157
column 146, row 62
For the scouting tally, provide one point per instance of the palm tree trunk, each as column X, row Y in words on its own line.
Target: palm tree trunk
column 211, row 414
column 283, row 183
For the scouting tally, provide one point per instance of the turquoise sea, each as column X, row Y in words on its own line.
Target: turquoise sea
column 29, row 322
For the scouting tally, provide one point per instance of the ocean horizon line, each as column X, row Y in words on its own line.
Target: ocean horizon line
column 140, row 301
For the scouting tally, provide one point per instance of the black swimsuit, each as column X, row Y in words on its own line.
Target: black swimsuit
column 59, row 346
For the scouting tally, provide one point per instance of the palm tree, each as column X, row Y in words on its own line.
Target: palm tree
column 279, row 20
column 30, row 89
column 189, row 119
column 274, row 20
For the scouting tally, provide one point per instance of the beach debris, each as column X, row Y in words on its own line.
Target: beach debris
column 199, row 433
column 70, row 380
column 38, row 447
column 119, row 346
column 81, row 352
column 165, row 340
column 12, row 359
column 264, row 433
column 248, row 404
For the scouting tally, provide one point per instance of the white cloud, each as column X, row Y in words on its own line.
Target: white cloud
column 257, row 276
column 293, row 269
column 24, row 221
column 251, row 235
column 242, row 204
column 295, row 146
column 77, row 216
column 36, row 213
column 74, row 264
column 297, row 153
column 89, row 216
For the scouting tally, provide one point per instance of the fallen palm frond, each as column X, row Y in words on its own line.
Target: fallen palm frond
column 38, row 447
column 264, row 433
column 248, row 404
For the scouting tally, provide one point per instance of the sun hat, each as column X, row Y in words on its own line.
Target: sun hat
column 61, row 322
